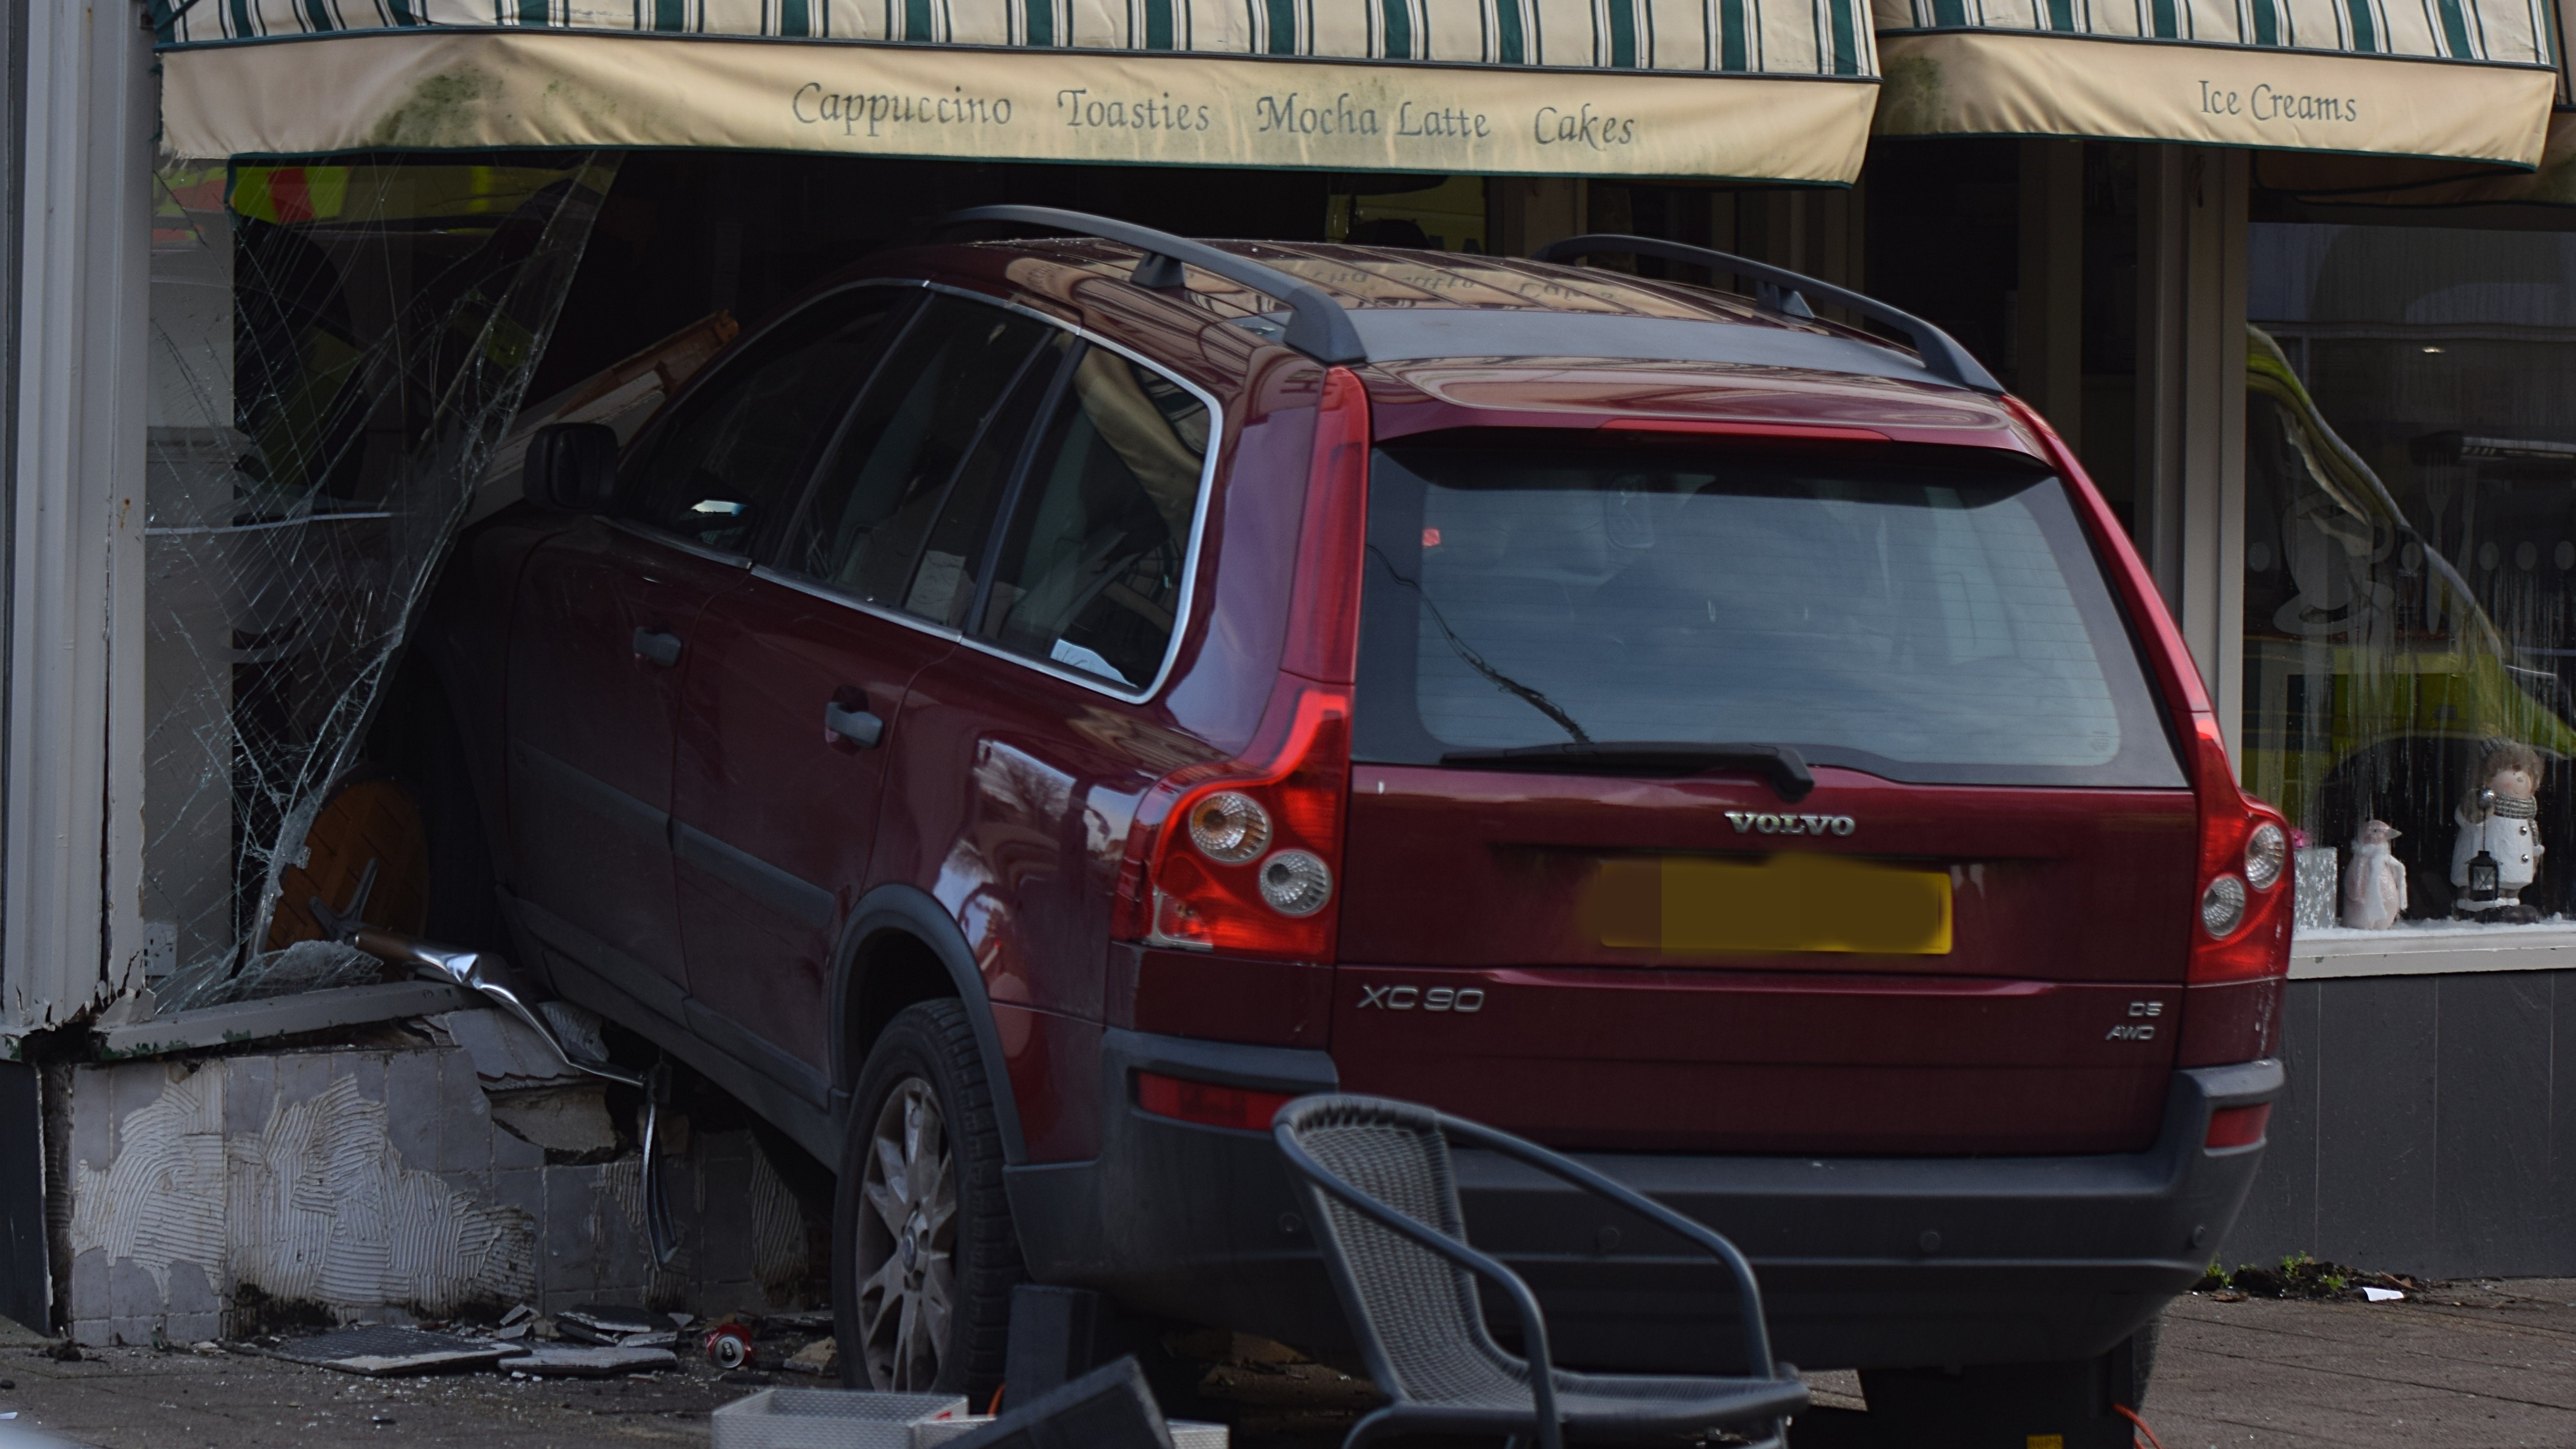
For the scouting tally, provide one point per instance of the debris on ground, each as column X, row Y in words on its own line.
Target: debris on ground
column 728, row 1345
column 380, row 1352
column 749, row 1342
column 1276, row 1390
column 2305, row 1277
column 246, row 1398
column 590, row 1361
column 822, row 1356
column 600, row 1324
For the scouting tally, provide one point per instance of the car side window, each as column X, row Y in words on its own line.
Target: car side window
column 882, row 487
column 943, row 583
column 1089, row 574
column 743, row 444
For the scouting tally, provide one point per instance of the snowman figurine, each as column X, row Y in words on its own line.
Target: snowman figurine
column 2497, row 851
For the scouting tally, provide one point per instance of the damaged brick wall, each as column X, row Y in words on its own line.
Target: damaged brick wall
column 380, row 1183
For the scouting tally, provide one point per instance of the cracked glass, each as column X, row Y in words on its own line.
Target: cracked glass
column 337, row 352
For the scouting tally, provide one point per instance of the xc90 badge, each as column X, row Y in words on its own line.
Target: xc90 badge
column 1410, row 998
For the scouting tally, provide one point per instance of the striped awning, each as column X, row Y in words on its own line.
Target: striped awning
column 1672, row 88
column 2446, row 79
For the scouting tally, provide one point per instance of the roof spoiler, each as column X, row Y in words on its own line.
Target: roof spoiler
column 1779, row 289
column 1317, row 325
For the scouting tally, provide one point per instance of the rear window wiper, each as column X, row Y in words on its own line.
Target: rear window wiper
column 1476, row 661
column 1782, row 767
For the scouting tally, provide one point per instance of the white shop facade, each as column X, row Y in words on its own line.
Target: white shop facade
column 2294, row 278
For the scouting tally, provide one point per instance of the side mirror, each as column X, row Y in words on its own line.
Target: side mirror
column 571, row 467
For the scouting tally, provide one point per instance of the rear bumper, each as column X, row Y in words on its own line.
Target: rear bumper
column 1882, row 1262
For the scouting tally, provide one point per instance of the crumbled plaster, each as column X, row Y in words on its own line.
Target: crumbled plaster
column 314, row 1205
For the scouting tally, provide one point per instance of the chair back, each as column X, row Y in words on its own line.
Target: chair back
column 1416, row 1313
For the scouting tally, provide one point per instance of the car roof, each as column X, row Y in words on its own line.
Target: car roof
column 1486, row 337
column 1410, row 305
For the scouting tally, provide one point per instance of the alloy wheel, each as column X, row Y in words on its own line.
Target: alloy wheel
column 907, row 1240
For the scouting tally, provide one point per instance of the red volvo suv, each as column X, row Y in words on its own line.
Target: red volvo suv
column 1033, row 707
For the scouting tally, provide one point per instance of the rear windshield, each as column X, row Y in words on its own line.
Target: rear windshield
column 1902, row 612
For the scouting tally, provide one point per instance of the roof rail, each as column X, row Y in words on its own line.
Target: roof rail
column 1317, row 325
column 1941, row 353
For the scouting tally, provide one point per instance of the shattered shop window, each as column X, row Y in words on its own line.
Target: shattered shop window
column 2410, row 571
column 336, row 351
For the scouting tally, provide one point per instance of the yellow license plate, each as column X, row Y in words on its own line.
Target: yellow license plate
column 1793, row 901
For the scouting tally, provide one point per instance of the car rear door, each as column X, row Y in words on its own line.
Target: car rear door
column 1582, row 906
column 1021, row 749
column 607, row 617
column 793, row 706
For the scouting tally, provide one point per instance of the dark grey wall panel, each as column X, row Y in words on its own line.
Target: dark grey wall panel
column 2562, row 1114
column 23, row 1293
column 2429, row 1127
column 2282, row 1208
column 2493, row 1209
column 2378, row 1060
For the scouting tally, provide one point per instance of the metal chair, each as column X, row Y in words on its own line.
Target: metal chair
column 1385, row 1206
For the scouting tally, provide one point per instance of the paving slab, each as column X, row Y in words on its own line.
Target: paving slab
column 2488, row 1365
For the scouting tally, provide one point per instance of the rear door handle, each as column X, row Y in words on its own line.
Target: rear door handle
column 855, row 726
column 656, row 646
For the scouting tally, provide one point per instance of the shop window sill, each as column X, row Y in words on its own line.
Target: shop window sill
column 276, row 1016
column 2433, row 948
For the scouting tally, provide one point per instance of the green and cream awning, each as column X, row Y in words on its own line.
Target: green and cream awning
column 2449, row 79
column 1754, row 89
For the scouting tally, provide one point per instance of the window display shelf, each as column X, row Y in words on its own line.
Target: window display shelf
column 2433, row 948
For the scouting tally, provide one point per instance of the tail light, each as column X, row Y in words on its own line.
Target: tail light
column 1246, row 856
column 2242, row 918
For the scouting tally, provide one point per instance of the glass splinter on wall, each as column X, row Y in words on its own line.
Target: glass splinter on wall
column 336, row 351
column 2410, row 569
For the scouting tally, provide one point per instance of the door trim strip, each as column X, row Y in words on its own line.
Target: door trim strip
column 783, row 891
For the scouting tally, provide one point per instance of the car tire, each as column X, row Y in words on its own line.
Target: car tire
column 2142, row 1360
column 923, row 1253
